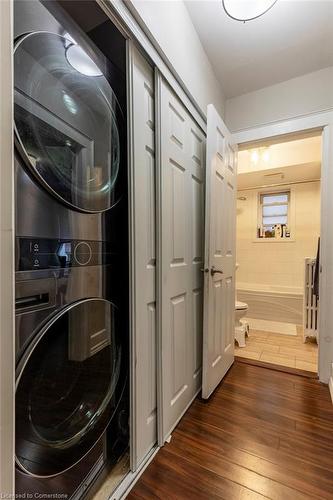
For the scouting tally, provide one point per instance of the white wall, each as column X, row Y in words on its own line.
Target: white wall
column 278, row 263
column 296, row 97
column 170, row 25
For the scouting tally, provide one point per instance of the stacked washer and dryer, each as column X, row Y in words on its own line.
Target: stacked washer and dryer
column 71, row 249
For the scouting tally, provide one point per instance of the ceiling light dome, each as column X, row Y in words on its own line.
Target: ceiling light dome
column 246, row 10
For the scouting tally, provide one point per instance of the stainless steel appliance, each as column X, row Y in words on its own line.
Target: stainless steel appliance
column 71, row 247
column 68, row 128
column 71, row 372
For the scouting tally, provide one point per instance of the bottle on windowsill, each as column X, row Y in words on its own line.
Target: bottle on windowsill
column 278, row 230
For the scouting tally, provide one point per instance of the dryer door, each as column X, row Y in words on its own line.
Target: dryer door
column 69, row 384
column 68, row 124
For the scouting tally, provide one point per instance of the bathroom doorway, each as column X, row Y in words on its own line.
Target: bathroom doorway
column 278, row 230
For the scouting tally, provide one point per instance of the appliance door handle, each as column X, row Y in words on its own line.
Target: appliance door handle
column 215, row 271
column 34, row 294
column 32, row 300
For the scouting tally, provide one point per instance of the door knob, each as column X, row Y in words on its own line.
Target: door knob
column 215, row 271
column 206, row 270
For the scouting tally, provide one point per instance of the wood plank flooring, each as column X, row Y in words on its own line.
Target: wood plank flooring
column 263, row 434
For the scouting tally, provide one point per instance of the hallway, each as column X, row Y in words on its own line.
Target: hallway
column 263, row 434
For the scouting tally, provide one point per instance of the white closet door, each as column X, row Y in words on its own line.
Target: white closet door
column 219, row 292
column 181, row 199
column 142, row 191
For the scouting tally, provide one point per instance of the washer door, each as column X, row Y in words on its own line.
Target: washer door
column 66, row 121
column 69, row 384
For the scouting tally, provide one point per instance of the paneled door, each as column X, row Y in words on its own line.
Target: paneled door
column 219, row 271
column 143, row 261
column 181, row 148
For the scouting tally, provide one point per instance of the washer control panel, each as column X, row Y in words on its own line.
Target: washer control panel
column 46, row 253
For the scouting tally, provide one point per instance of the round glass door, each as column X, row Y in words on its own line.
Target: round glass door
column 66, row 121
column 68, row 387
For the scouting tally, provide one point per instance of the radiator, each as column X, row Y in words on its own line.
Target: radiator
column 311, row 304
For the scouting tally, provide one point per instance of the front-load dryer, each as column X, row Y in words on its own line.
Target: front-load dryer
column 66, row 121
column 70, row 133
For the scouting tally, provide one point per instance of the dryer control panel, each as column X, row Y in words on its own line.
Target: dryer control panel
column 44, row 253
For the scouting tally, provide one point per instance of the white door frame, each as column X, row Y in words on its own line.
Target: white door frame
column 322, row 121
column 7, row 336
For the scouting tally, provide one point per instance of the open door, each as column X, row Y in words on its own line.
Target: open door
column 219, row 271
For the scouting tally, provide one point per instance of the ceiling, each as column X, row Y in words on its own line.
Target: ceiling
column 294, row 38
column 298, row 160
column 279, row 176
column 280, row 154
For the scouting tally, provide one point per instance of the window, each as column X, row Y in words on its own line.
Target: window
column 274, row 215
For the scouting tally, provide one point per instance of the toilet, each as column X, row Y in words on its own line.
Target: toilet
column 241, row 325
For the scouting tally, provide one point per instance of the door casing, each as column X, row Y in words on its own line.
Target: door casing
column 320, row 121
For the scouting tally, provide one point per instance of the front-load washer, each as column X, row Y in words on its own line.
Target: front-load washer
column 72, row 372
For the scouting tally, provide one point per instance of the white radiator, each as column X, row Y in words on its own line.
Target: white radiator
column 311, row 304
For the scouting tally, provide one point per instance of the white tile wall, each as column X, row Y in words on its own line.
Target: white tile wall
column 278, row 263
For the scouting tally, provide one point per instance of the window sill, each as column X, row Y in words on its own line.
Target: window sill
column 274, row 240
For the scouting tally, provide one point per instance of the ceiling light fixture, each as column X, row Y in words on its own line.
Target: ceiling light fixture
column 247, row 10
column 260, row 155
column 255, row 157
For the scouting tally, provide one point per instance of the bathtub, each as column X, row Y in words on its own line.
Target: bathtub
column 274, row 303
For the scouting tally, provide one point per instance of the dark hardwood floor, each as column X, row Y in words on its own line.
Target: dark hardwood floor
column 263, row 434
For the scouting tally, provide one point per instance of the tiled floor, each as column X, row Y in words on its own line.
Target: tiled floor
column 285, row 350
